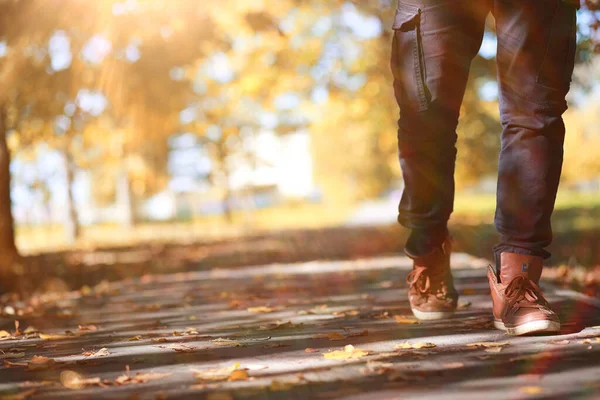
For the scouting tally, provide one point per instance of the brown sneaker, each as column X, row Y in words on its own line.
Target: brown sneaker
column 518, row 304
column 431, row 289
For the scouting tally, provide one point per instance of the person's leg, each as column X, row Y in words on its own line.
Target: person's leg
column 536, row 51
column 434, row 43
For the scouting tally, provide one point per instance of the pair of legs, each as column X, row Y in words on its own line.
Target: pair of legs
column 434, row 44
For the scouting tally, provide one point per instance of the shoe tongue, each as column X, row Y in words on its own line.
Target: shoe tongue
column 513, row 265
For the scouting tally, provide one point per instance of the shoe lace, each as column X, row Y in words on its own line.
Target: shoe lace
column 420, row 280
column 522, row 288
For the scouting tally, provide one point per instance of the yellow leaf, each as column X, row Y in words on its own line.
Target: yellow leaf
column 419, row 345
column 4, row 334
column 238, row 375
column 488, row 344
column 349, row 352
column 72, row 380
column 261, row 309
column 215, row 374
column 401, row 319
column 531, row 390
column 45, row 336
column 135, row 338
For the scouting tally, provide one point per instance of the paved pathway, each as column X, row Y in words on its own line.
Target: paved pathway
column 269, row 332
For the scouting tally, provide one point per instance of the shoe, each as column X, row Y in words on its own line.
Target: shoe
column 518, row 304
column 431, row 291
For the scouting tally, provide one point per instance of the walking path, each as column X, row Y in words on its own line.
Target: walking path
column 282, row 332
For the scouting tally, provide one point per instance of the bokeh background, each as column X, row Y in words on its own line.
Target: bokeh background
column 265, row 128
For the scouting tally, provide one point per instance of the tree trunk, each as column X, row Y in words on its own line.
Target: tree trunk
column 8, row 250
column 125, row 199
column 72, row 228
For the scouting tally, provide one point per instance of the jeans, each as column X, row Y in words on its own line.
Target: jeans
column 433, row 45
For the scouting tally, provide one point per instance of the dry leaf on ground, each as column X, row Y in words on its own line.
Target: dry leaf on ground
column 531, row 390
column 238, row 375
column 488, row 344
column 46, row 336
column 72, row 380
column 99, row 353
column 182, row 348
column 140, row 377
column 349, row 352
column 227, row 342
column 418, row 345
column 402, row 319
column 90, row 328
column 311, row 350
column 261, row 309
column 493, row 350
column 39, row 363
column 561, row 342
column 215, row 374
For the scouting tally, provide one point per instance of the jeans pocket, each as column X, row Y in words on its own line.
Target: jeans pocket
column 408, row 64
column 559, row 59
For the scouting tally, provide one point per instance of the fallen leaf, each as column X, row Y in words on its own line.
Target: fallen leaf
column 463, row 305
column 311, row 350
column 227, row 342
column 91, row 328
column 561, row 342
column 215, row 374
column 160, row 340
column 401, row 319
column 531, row 390
column 135, row 338
column 488, row 344
column 182, row 348
column 454, row 365
column 349, row 352
column 39, row 363
column 493, row 350
column 4, row 334
column 419, row 345
column 13, row 364
column 72, row 380
column 238, row 375
column 261, row 309
column 46, row 336
column 335, row 336
column 102, row 352
column 126, row 379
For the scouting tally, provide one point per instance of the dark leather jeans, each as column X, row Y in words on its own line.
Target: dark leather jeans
column 434, row 43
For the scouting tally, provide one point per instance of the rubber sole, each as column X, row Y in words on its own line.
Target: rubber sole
column 432, row 316
column 529, row 327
